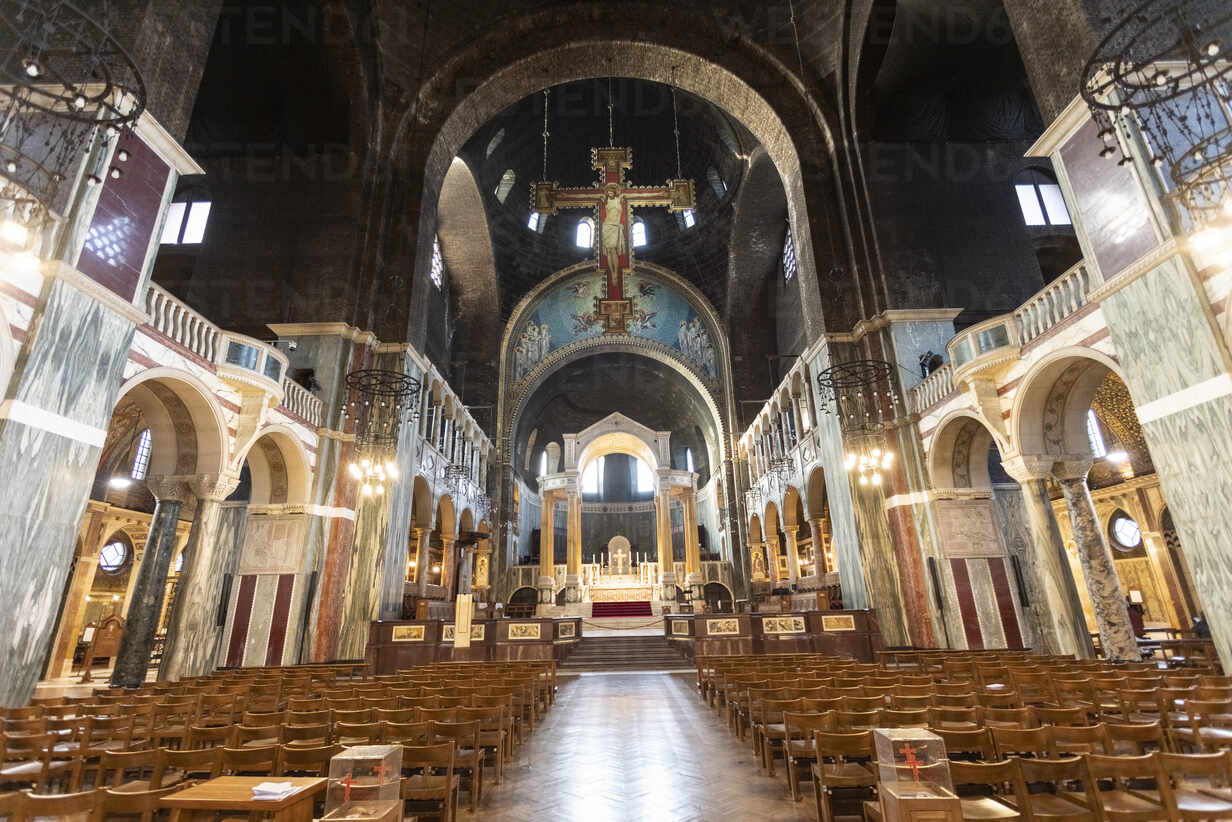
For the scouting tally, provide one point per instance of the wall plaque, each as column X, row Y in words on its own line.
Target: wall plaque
column 407, row 633
column 448, row 632
column 838, row 622
column 524, row 630
column 783, row 625
column 723, row 627
column 567, row 630
column 680, row 627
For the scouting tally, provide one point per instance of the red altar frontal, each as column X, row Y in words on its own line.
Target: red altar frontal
column 853, row 634
column 394, row 646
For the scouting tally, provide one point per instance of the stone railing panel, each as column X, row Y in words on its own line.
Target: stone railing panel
column 175, row 320
column 1052, row 304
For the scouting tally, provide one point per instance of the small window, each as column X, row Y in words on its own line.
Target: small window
column 716, row 182
column 688, row 218
column 179, row 563
column 186, row 222
column 537, row 221
column 645, row 478
column 592, row 477
column 543, row 463
column 789, row 256
column 1125, row 531
column 1040, row 200
column 141, row 462
column 1054, row 204
column 1094, row 436
column 688, row 459
column 584, row 237
column 494, row 142
column 437, row 271
column 639, row 233
column 113, row 557
column 506, row 184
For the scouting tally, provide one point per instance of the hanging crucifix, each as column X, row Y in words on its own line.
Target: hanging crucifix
column 613, row 201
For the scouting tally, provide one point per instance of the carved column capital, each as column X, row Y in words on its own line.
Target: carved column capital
column 215, row 486
column 170, row 488
column 1072, row 468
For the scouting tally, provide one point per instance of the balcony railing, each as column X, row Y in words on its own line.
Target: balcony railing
column 301, row 402
column 933, row 389
column 175, row 320
column 1056, row 301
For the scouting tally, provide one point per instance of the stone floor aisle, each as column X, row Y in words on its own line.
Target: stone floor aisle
column 628, row 748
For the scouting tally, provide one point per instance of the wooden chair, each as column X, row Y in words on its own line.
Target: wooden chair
column 468, row 754
column 798, row 748
column 405, row 733
column 1002, row 795
column 967, row 745
column 305, row 736
column 1035, row 742
column 843, row 761
column 141, row 806
column 428, row 777
column 28, row 761
column 492, row 738
column 127, row 771
column 209, row 736
column 1075, row 715
column 357, row 733
column 1136, row 740
column 1115, row 785
column 250, row 761
column 954, row 718
column 299, row 761
column 60, row 806
column 853, row 721
column 1206, row 725
column 393, row 714
column 1061, row 798
column 1010, row 718
column 768, row 728
column 893, row 718
column 171, row 722
column 257, row 736
column 172, row 767
column 1068, row 740
column 1195, row 786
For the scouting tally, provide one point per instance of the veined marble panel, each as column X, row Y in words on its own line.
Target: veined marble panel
column 274, row 544
column 967, row 528
column 986, row 603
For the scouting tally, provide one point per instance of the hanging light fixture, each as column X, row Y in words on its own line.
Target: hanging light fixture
column 63, row 79
column 861, row 394
column 381, row 401
column 1158, row 85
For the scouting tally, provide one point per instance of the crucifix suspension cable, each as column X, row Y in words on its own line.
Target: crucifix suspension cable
column 675, row 123
column 545, row 132
column 610, row 141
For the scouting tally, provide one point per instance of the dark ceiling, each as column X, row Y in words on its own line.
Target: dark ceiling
column 585, row 391
column 577, row 120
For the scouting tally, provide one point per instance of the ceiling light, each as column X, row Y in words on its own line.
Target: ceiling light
column 1117, row 456
column 120, row 482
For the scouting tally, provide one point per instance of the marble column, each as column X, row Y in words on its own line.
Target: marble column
column 449, row 564
column 73, row 613
column 821, row 565
column 573, row 556
column 193, row 635
column 141, row 622
column 1107, row 599
column 772, row 557
column 466, row 570
column 53, row 424
column 793, row 554
column 138, row 554
column 547, row 548
column 663, row 523
column 692, row 549
column 423, row 561
column 1056, row 608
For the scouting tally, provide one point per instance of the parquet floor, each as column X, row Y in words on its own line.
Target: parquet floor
column 628, row 748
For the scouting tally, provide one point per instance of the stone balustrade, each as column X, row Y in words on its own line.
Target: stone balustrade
column 1052, row 304
column 932, row 390
column 301, row 402
column 183, row 326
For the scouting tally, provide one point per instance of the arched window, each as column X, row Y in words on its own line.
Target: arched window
column 179, row 563
column 592, row 477
column 789, row 256
column 1094, row 436
column 437, row 271
column 141, row 461
column 645, row 478
column 113, row 557
column 716, row 182
column 688, row 459
column 584, row 237
column 506, row 184
column 494, row 142
column 687, row 218
column 1125, row 532
column 639, row 232
column 536, row 221
column 1040, row 199
column 185, row 223
column 543, row 463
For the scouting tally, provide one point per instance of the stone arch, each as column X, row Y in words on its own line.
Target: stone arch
column 771, row 520
column 793, row 508
column 958, row 454
column 697, row 54
column 466, row 521
column 1050, row 408
column 446, row 518
column 755, row 534
column 421, row 503
column 815, row 492
column 279, row 466
column 187, row 426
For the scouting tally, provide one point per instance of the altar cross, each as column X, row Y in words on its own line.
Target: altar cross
column 910, row 760
column 613, row 200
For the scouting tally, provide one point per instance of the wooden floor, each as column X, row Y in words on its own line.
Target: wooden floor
column 625, row 747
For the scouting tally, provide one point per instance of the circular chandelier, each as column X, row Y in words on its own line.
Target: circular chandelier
column 63, row 76
column 861, row 394
column 381, row 401
column 1163, row 68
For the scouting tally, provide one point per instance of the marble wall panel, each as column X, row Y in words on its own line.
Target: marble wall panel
column 986, row 608
column 274, row 544
column 967, row 528
column 361, row 602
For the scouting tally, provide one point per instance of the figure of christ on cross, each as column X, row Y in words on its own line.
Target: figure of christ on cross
column 613, row 201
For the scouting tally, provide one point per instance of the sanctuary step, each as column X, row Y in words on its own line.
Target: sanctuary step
column 625, row 653
column 620, row 609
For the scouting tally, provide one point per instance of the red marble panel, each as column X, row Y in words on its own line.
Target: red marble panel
column 125, row 219
column 278, row 624
column 239, row 628
column 966, row 604
column 1005, row 603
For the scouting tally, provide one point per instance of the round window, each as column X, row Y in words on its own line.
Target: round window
column 1126, row 532
column 113, row 558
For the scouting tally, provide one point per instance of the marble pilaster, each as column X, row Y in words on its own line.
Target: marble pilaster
column 547, row 547
column 772, row 557
column 573, row 556
column 53, row 421
column 449, row 564
column 72, row 616
column 1107, row 599
column 193, row 635
column 145, row 610
column 1056, row 608
column 663, row 523
column 793, row 554
column 817, row 532
column 466, row 570
column 423, row 560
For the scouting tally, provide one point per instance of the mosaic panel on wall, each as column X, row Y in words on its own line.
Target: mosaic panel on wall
column 568, row 314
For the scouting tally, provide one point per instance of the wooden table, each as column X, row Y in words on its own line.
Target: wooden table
column 234, row 793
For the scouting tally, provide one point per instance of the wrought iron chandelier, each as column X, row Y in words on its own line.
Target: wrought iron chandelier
column 861, row 394
column 1158, row 85
column 63, row 77
column 381, row 402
